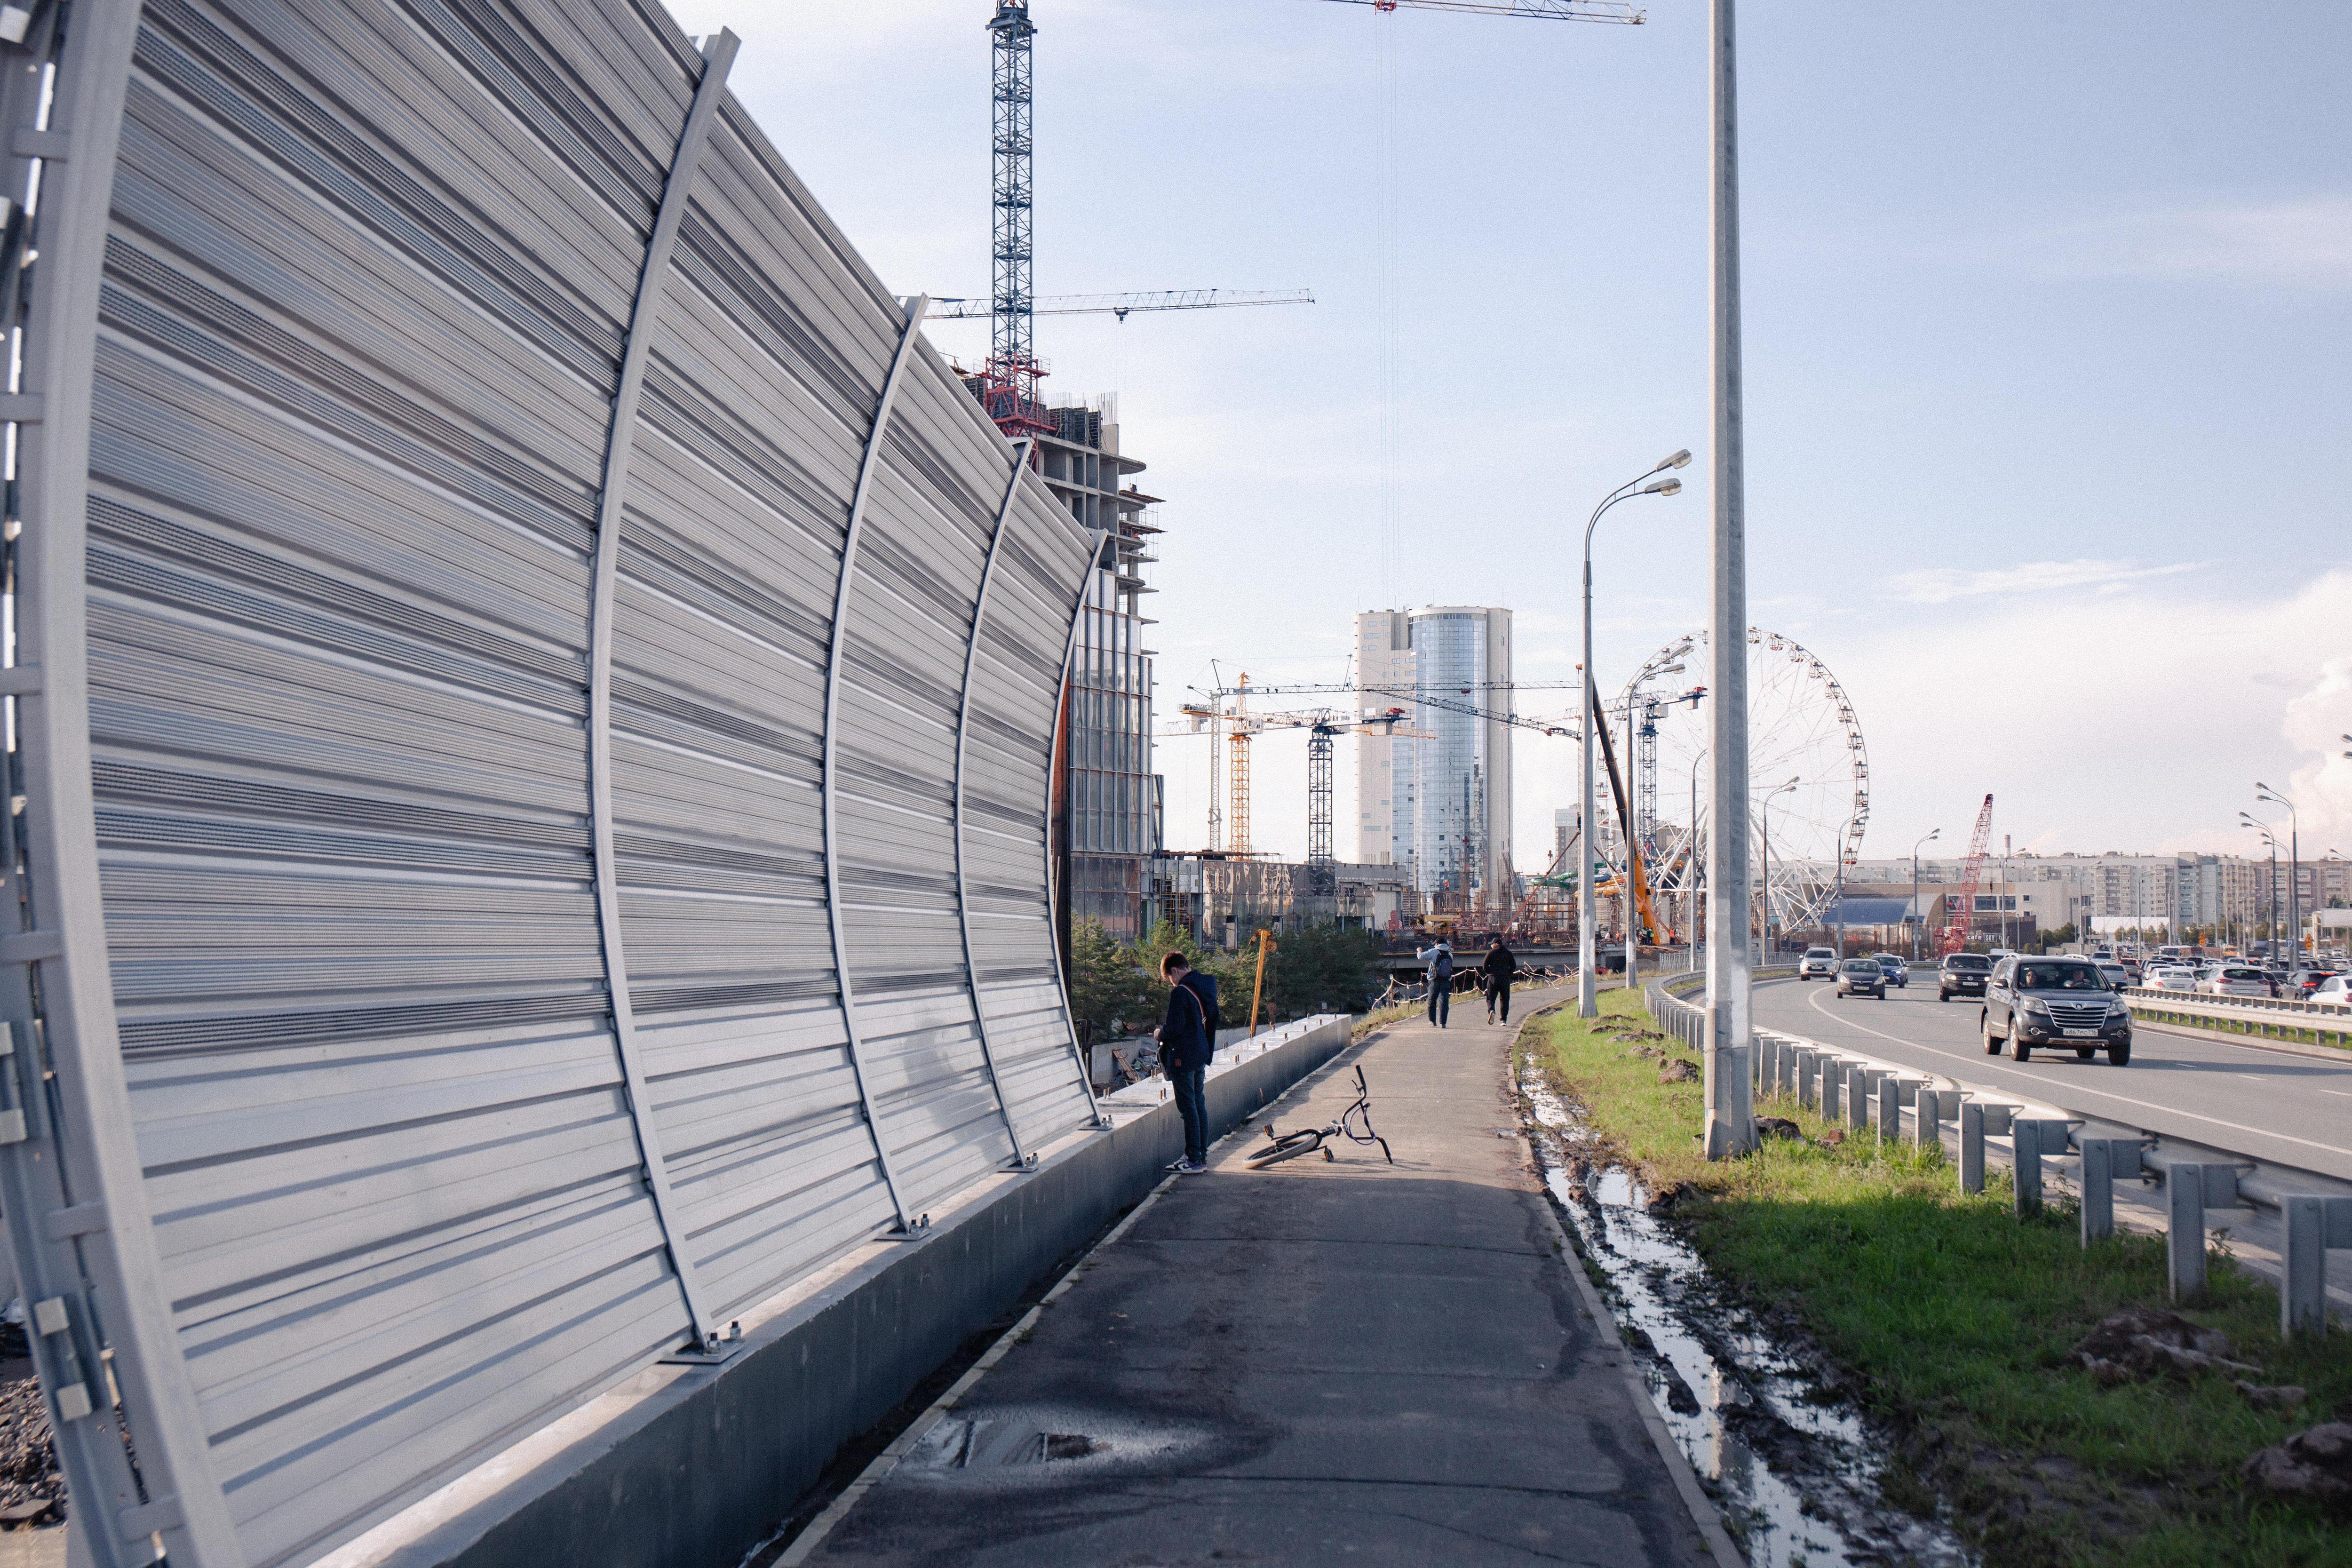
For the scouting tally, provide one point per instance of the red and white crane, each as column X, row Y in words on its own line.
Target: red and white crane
column 1955, row 934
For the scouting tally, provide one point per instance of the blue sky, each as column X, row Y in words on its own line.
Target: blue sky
column 2047, row 346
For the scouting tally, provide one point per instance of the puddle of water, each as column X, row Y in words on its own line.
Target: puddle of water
column 1001, row 1444
column 1796, row 1479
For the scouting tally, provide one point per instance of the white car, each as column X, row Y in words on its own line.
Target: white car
column 2235, row 980
column 2172, row 977
column 1819, row 964
column 2336, row 988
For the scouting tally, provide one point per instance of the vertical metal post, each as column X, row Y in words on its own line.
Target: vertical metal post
column 113, row 1376
column 1021, row 451
column 1587, row 841
column 1972, row 1137
column 2025, row 1165
column 1095, row 539
column 2184, row 1230
column 1861, row 1087
column 2303, row 1273
column 838, row 655
column 620, row 439
column 1890, row 1109
column 1807, row 1062
column 1731, row 1119
column 2098, row 1190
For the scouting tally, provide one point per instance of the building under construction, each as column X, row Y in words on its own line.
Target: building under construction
column 1107, row 799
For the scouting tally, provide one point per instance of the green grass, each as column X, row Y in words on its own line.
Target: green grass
column 1951, row 1321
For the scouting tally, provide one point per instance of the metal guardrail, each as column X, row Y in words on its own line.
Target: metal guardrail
column 2260, row 1014
column 1865, row 1092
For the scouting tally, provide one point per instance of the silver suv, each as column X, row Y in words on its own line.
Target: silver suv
column 1819, row 964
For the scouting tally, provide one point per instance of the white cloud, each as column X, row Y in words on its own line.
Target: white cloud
column 2307, row 243
column 1942, row 584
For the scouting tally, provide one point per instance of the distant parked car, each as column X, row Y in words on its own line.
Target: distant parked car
column 2171, row 977
column 2054, row 1001
column 2236, row 980
column 1861, row 977
column 1963, row 975
column 1898, row 974
column 1819, row 964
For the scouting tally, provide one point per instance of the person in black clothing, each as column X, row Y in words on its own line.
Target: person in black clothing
column 1188, row 1038
column 1498, row 970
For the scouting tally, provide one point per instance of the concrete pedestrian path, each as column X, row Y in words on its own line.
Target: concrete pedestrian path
column 1319, row 1363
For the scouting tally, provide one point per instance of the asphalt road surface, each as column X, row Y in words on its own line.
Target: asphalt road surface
column 2293, row 1110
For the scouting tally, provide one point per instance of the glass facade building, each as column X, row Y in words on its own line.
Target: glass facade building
column 1438, row 801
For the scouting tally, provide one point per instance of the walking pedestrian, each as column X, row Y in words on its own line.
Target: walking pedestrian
column 1188, row 1038
column 1497, row 971
column 1438, row 956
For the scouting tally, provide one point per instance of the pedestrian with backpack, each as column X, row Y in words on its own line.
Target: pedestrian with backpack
column 1188, row 1039
column 1496, row 972
column 1439, row 959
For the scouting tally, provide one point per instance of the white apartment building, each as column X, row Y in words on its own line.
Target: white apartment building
column 1439, row 805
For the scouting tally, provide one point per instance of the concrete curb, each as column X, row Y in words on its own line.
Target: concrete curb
column 698, row 1465
column 1703, row 1511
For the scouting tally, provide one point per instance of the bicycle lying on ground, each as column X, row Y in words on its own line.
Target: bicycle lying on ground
column 1355, row 1124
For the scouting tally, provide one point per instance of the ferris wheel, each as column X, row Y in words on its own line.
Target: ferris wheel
column 1807, row 770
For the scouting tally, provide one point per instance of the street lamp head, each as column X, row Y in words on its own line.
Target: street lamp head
column 1664, row 488
column 1682, row 461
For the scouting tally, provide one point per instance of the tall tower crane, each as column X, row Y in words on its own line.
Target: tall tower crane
column 1124, row 305
column 1009, row 380
column 1237, row 726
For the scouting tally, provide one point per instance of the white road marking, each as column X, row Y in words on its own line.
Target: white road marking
column 2103, row 1094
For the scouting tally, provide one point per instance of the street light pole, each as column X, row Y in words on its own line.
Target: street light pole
column 2294, row 869
column 1919, row 921
column 1730, row 1114
column 1588, row 1005
column 1764, row 910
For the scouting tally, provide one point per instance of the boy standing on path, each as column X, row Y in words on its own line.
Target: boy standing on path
column 1439, row 959
column 1188, row 1038
column 1497, row 971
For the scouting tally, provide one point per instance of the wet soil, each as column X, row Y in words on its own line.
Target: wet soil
column 1800, row 1475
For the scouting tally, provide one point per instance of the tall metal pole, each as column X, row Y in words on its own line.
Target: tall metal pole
column 1730, row 1120
column 1633, row 847
column 1588, row 1005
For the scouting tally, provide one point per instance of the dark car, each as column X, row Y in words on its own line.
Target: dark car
column 1861, row 977
column 2298, row 986
column 2057, row 1002
column 1963, row 974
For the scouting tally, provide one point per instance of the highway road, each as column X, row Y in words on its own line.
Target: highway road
column 2293, row 1109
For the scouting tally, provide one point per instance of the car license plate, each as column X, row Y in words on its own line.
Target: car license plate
column 2081, row 1033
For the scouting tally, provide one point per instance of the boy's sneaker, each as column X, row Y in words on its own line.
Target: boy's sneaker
column 1175, row 1166
column 1189, row 1167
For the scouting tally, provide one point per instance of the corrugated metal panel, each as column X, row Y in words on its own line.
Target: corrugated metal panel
column 402, row 651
